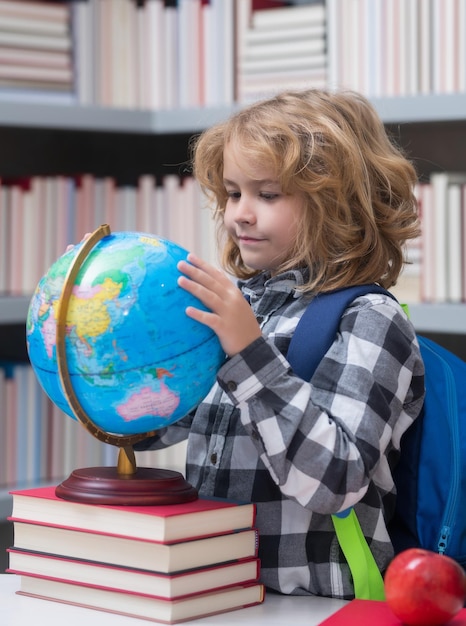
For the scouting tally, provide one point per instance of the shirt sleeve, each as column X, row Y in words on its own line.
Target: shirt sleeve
column 166, row 437
column 324, row 441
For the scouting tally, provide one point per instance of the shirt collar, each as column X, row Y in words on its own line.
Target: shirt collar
column 266, row 293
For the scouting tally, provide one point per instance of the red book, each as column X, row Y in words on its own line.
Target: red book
column 164, row 524
column 152, row 609
column 130, row 552
column 374, row 613
column 259, row 5
column 129, row 580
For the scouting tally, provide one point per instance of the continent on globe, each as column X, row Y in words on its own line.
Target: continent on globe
column 136, row 361
column 89, row 309
column 146, row 400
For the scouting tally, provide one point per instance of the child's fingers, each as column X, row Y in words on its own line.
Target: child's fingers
column 70, row 246
column 203, row 273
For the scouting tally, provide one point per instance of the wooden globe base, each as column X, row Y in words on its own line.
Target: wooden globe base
column 146, row 486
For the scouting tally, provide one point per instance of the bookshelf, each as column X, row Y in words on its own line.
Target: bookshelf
column 432, row 129
column 108, row 119
column 431, row 108
column 448, row 107
column 49, row 138
column 13, row 310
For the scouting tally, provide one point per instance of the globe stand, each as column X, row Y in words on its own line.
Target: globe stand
column 126, row 484
column 111, row 485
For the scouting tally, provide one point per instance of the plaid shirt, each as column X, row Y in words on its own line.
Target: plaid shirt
column 303, row 450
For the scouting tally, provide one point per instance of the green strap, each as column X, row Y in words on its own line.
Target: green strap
column 367, row 579
column 405, row 308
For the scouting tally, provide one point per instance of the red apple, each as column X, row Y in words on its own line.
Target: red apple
column 424, row 588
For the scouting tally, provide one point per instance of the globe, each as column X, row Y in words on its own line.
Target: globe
column 136, row 361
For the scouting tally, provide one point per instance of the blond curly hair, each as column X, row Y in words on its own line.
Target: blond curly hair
column 332, row 148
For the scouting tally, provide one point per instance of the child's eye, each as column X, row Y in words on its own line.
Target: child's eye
column 235, row 195
column 268, row 195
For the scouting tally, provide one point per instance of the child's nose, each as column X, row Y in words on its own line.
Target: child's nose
column 244, row 211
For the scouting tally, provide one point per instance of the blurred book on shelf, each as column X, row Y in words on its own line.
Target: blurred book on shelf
column 36, row 49
column 279, row 47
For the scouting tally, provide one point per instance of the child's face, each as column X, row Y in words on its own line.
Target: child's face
column 261, row 219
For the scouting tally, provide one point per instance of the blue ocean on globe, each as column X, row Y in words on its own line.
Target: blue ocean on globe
column 136, row 361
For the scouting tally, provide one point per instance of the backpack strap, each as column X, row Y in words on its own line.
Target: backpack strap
column 313, row 336
column 318, row 326
column 367, row 579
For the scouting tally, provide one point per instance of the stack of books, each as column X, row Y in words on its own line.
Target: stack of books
column 437, row 264
column 443, row 212
column 154, row 54
column 65, row 207
column 387, row 48
column 35, row 48
column 161, row 563
column 280, row 48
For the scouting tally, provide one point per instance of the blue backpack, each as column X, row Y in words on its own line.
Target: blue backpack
column 431, row 474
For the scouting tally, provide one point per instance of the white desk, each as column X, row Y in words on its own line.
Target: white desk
column 276, row 610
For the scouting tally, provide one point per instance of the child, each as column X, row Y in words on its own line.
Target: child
column 310, row 196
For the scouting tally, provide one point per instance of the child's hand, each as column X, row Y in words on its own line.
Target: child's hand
column 230, row 315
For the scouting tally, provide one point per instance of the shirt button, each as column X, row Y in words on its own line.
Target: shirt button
column 213, row 458
column 232, row 386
